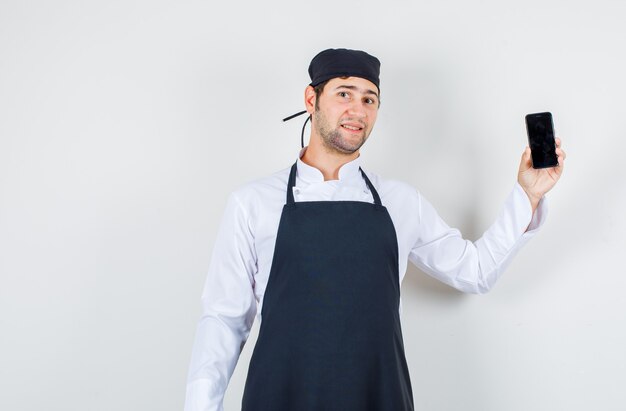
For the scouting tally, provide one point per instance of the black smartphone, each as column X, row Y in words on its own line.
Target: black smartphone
column 540, row 129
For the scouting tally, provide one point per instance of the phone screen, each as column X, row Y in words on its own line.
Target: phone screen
column 541, row 140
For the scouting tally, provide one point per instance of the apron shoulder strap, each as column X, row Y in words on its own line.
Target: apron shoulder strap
column 371, row 187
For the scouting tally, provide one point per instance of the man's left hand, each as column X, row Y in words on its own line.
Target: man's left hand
column 537, row 182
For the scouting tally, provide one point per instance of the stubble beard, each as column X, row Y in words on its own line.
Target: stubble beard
column 333, row 139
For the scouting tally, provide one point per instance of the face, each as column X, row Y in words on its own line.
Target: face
column 345, row 113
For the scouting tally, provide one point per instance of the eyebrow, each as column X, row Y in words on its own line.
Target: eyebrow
column 366, row 91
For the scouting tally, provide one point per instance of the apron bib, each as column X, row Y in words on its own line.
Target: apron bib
column 330, row 337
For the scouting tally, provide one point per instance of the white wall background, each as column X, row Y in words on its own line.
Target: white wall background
column 125, row 124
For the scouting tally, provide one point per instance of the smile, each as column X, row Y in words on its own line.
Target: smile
column 351, row 128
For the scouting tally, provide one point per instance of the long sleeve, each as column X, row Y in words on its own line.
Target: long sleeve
column 228, row 311
column 474, row 267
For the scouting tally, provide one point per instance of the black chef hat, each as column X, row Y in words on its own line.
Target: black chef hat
column 332, row 63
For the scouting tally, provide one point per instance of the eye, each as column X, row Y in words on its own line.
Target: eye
column 369, row 101
column 343, row 94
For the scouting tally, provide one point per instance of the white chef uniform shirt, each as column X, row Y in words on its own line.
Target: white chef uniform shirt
column 243, row 252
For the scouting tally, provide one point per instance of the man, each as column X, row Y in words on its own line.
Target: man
column 322, row 247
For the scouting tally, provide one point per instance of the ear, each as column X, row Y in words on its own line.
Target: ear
column 309, row 99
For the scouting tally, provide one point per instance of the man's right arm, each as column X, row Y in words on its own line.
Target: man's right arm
column 228, row 311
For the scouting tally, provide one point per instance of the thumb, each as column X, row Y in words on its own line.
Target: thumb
column 526, row 162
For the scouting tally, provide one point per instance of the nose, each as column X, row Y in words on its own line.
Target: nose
column 357, row 109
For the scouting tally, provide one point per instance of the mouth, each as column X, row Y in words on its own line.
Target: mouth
column 352, row 128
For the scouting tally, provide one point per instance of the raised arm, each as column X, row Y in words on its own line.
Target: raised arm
column 474, row 267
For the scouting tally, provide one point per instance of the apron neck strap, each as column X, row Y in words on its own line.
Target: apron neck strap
column 292, row 184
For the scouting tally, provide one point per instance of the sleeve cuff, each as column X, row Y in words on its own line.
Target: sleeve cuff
column 538, row 218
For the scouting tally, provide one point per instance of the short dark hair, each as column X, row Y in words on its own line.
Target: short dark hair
column 320, row 88
column 318, row 91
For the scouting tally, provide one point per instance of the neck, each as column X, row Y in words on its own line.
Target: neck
column 326, row 160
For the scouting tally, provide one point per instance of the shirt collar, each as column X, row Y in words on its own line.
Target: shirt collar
column 311, row 174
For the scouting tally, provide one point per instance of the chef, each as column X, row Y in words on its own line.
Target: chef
column 318, row 250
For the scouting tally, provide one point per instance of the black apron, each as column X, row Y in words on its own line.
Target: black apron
column 330, row 336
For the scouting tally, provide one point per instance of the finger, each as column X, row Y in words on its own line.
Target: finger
column 561, row 161
column 557, row 172
column 558, row 142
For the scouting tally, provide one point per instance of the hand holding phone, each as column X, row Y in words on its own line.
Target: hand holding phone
column 540, row 129
column 542, row 163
